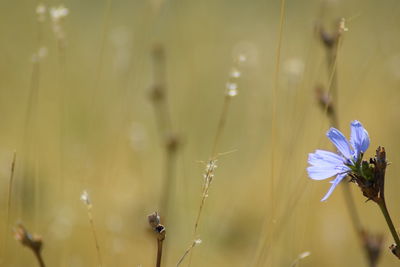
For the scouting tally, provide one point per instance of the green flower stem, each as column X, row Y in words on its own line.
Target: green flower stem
column 382, row 204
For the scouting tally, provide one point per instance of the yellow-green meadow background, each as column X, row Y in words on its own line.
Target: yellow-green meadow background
column 75, row 106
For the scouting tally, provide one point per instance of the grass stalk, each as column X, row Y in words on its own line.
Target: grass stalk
column 262, row 246
column 159, row 251
column 169, row 139
column 8, row 208
column 86, row 200
column 95, row 238
column 211, row 166
column 39, row 258
column 382, row 205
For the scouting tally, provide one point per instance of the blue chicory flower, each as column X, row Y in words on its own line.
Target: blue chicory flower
column 325, row 164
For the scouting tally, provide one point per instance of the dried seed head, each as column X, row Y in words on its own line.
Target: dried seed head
column 172, row 142
column 324, row 100
column 395, row 250
column 153, row 219
column 33, row 242
column 373, row 244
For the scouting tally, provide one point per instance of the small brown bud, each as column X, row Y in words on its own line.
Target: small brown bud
column 153, row 219
column 31, row 241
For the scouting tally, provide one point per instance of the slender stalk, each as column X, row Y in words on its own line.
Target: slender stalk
column 210, row 167
column 221, row 126
column 382, row 204
column 96, row 241
column 186, row 252
column 9, row 196
column 169, row 140
column 206, row 186
column 262, row 246
column 159, row 252
column 352, row 210
column 39, row 258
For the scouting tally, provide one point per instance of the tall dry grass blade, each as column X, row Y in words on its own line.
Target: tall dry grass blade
column 169, row 139
column 231, row 91
column 8, row 207
column 86, row 200
column 262, row 246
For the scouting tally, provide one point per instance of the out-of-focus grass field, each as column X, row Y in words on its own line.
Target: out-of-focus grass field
column 81, row 119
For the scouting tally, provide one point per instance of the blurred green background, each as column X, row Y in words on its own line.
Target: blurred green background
column 80, row 118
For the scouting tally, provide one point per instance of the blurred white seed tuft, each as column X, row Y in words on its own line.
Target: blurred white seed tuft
column 58, row 13
column 242, row 58
column 235, row 73
column 342, row 25
column 86, row 199
column 41, row 12
column 40, row 54
column 304, row 254
column 232, row 86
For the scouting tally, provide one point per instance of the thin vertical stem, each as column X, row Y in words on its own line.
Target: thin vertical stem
column 352, row 209
column 221, row 126
column 9, row 196
column 262, row 246
column 159, row 252
column 382, row 204
column 96, row 241
column 169, row 140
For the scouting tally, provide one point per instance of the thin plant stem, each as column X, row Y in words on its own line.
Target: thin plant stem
column 98, row 70
column 9, row 196
column 382, row 204
column 352, row 210
column 221, row 126
column 206, row 187
column 262, row 246
column 186, row 253
column 39, row 258
column 159, row 251
column 208, row 178
column 96, row 241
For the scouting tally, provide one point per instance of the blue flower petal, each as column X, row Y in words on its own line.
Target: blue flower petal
column 322, row 157
column 338, row 139
column 334, row 183
column 359, row 138
column 322, row 172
